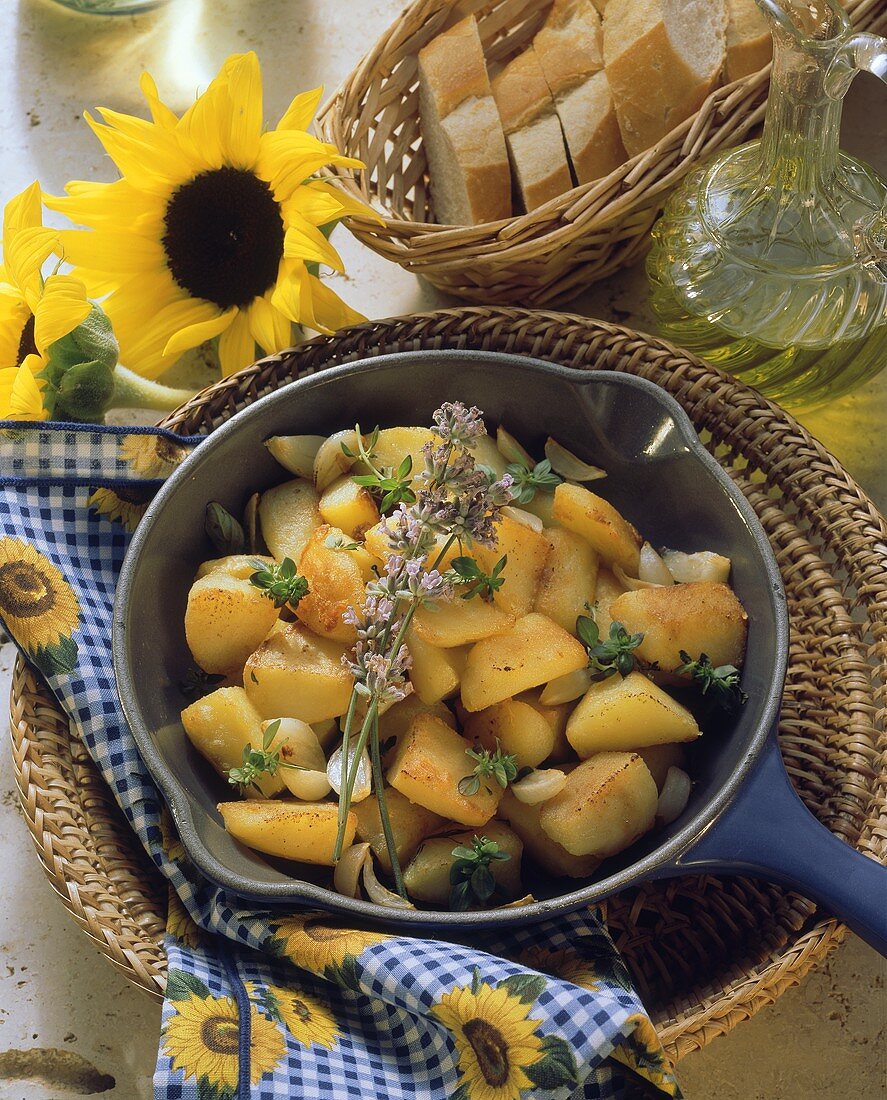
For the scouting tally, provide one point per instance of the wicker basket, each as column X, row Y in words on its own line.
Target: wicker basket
column 706, row 952
column 558, row 249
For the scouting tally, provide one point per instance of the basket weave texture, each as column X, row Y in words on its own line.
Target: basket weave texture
column 705, row 952
column 555, row 251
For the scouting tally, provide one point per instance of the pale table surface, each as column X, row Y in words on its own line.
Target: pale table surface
column 68, row 1021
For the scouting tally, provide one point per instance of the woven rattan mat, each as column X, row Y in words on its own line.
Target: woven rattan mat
column 706, row 952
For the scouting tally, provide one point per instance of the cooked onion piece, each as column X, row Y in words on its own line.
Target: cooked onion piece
column 296, row 453
column 363, row 780
column 511, row 450
column 705, row 565
column 331, row 461
column 346, row 877
column 674, row 795
column 632, row 584
column 539, row 785
column 652, row 567
column 570, row 466
column 380, row 894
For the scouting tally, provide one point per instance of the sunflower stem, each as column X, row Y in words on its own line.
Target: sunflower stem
column 131, row 391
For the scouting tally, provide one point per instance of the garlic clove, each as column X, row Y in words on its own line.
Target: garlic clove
column 540, row 785
column 570, row 466
column 566, row 688
column 674, row 796
column 331, row 461
column 296, row 453
column 652, row 568
column 511, row 450
column 346, row 877
column 363, row 779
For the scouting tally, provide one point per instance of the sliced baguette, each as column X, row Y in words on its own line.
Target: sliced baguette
column 464, row 143
column 749, row 42
column 662, row 58
column 532, row 131
column 570, row 53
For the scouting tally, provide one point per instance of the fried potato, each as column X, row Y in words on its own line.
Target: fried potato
column 435, row 673
column 288, row 514
column 410, row 824
column 336, row 581
column 569, row 580
column 296, row 674
column 226, row 618
column 349, row 507
column 515, row 726
column 460, row 622
column 598, row 522
column 552, row 857
column 303, row 831
column 427, row 878
column 527, row 551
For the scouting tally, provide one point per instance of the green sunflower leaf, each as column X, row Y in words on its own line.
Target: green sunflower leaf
column 345, row 975
column 475, row 981
column 527, row 987
column 608, row 965
column 556, row 1068
column 56, row 659
column 181, row 985
column 461, row 1093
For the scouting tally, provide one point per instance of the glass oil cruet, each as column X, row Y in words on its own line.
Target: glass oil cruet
column 771, row 261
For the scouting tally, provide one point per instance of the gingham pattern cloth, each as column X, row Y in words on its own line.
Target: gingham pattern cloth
column 266, row 1005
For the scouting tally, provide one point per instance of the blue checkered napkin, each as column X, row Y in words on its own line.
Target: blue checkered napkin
column 265, row 1005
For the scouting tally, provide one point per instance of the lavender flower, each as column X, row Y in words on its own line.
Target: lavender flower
column 454, row 422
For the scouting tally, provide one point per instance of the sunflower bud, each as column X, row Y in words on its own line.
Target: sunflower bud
column 79, row 372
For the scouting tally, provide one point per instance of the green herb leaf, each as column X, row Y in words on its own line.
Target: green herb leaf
column 281, row 583
column 465, row 571
column 196, row 683
column 490, row 765
column 614, row 655
column 223, row 530
column 471, row 879
column 722, row 682
column 338, row 541
column 528, row 482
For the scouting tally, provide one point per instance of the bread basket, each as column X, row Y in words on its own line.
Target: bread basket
column 559, row 248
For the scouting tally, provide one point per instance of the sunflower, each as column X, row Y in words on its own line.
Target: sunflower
column 314, row 943
column 495, row 1040
column 642, row 1052
column 34, row 312
column 308, row 1020
column 38, row 606
column 125, row 504
column 169, row 837
column 179, row 923
column 565, row 964
column 151, row 456
column 202, row 1039
column 214, row 229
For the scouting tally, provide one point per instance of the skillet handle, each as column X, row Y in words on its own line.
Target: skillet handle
column 769, row 832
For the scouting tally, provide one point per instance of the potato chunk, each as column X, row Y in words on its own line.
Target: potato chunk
column 598, row 522
column 395, row 722
column 348, row 506
column 304, row 831
column 608, row 802
column 518, row 728
column 394, row 444
column 628, row 713
column 336, row 581
column 569, row 579
column 296, row 674
column 607, row 592
column 410, row 824
column 435, row 673
column 659, row 758
column 378, row 544
column 241, row 566
column 700, row 617
column 527, row 551
column 428, row 876
column 431, row 759
column 221, row 725
column 556, row 716
column 460, row 622
column 551, row 856
column 225, row 619
column 534, row 651
column 288, row 514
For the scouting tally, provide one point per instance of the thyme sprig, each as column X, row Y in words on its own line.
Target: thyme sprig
column 527, row 482
column 500, row 766
column 721, row 682
column 196, row 683
column 393, row 487
column 470, row 875
column 280, row 582
column 474, row 581
column 257, row 763
column 606, row 658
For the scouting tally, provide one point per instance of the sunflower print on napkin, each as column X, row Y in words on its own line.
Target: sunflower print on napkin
column 268, row 1004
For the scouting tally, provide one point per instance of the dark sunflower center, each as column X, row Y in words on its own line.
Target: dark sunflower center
column 321, row 933
column 24, row 593
column 26, row 345
column 302, row 1011
column 224, row 237
column 490, row 1048
column 220, row 1035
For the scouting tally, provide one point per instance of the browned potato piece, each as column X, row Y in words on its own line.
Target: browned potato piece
column 597, row 521
column 556, row 716
column 287, row 516
column 395, row 722
column 568, row 583
column 428, row 876
column 410, row 824
column 517, row 727
column 394, row 444
column 659, row 758
column 435, row 673
column 534, row 651
column 221, row 725
column 348, row 506
column 551, row 856
column 608, row 590
column 627, row 714
column 460, row 622
column 241, row 566
column 336, row 581
column 527, row 551
column 304, row 831
column 430, row 761
column 378, row 544
column 608, row 802
column 225, row 619
column 296, row 674
column 700, row 617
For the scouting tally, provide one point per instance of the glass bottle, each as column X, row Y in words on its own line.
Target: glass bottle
column 771, row 261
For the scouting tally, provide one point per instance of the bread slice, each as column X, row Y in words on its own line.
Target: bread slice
column 532, row 131
column 570, row 53
column 662, row 58
column 461, row 130
column 749, row 42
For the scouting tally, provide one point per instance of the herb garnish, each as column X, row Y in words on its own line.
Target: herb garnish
column 527, row 482
column 196, row 683
column 614, row 655
column 474, row 580
column 281, row 583
column 490, row 765
column 259, row 762
column 722, row 682
column 470, row 876
column 393, row 486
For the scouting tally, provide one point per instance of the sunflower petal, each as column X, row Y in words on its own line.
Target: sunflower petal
column 305, row 242
column 60, row 310
column 20, row 396
column 244, row 78
column 161, row 114
column 270, row 329
column 316, row 207
column 351, row 206
column 330, row 312
column 237, row 348
column 97, row 204
column 199, row 330
column 201, row 128
column 111, row 251
column 148, row 156
column 300, row 112
column 142, row 343
column 14, row 313
column 288, row 157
